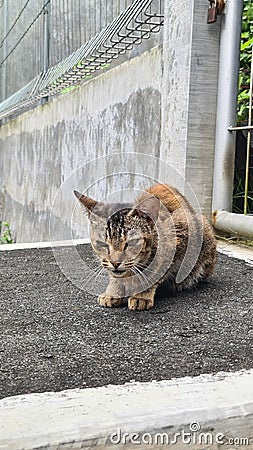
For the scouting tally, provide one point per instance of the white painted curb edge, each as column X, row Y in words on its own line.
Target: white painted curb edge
column 46, row 244
column 100, row 416
column 236, row 251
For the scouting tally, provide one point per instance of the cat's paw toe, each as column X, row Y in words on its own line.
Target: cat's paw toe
column 140, row 303
column 108, row 301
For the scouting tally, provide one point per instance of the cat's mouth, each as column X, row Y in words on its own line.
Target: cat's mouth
column 118, row 272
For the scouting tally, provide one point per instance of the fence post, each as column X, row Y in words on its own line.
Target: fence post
column 5, row 20
column 46, row 41
column 46, row 38
column 189, row 95
column 226, row 108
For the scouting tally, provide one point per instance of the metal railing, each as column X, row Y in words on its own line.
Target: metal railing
column 249, row 130
column 224, row 219
column 137, row 22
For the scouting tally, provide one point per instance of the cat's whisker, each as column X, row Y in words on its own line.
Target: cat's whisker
column 94, row 275
column 144, row 268
column 87, row 280
column 102, row 269
column 146, row 278
column 147, row 269
column 142, row 277
column 139, row 275
column 128, row 266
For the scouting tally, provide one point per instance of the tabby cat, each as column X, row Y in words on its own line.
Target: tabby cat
column 158, row 241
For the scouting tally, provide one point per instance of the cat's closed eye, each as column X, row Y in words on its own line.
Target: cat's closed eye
column 133, row 242
column 102, row 245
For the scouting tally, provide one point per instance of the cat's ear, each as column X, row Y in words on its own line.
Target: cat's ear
column 88, row 202
column 148, row 207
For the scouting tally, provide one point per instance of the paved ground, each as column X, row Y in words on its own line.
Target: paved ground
column 55, row 337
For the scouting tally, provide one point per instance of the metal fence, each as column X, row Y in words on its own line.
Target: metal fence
column 243, row 184
column 52, row 37
column 21, row 43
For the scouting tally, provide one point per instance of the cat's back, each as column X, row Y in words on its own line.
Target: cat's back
column 188, row 222
column 169, row 196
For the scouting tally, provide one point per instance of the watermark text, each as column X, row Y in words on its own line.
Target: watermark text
column 193, row 436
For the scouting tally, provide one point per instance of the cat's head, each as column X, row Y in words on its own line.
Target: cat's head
column 123, row 236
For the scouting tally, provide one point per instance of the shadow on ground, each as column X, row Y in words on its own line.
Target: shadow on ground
column 55, row 337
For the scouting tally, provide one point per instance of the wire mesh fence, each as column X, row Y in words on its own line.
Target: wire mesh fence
column 48, row 45
column 21, row 44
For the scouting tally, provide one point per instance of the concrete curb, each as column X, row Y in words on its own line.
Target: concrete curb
column 213, row 408
column 47, row 244
column 236, row 251
column 209, row 411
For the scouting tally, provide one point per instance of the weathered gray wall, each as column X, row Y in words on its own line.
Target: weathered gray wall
column 161, row 103
column 116, row 112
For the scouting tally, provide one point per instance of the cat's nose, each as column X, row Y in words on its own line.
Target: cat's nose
column 116, row 264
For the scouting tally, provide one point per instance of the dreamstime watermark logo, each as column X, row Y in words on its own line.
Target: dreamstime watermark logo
column 112, row 179
column 194, row 436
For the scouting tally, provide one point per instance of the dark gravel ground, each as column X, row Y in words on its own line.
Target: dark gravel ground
column 54, row 337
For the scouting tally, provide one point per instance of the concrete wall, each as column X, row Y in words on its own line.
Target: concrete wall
column 116, row 112
column 161, row 103
column 190, row 83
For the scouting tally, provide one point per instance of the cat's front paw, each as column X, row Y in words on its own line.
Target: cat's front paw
column 108, row 301
column 140, row 303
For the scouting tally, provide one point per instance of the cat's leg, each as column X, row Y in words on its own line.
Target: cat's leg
column 113, row 296
column 109, row 301
column 143, row 300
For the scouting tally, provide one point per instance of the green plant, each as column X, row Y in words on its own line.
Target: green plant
column 239, row 193
column 243, row 113
column 5, row 233
column 68, row 89
column 245, row 62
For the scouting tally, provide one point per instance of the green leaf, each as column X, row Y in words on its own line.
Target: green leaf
column 68, row 89
column 6, row 236
column 246, row 44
